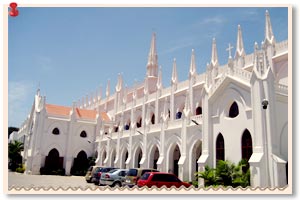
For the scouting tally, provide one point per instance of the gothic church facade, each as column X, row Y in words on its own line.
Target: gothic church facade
column 230, row 112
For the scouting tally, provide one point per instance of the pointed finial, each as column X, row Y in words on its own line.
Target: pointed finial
column 125, row 94
column 240, row 51
column 214, row 54
column 159, row 80
column 120, row 83
column 108, row 88
column 174, row 72
column 193, row 64
column 269, row 36
column 146, row 86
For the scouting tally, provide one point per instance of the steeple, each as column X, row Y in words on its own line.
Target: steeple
column 269, row 36
column 119, row 84
column 214, row 54
column 193, row 65
column 174, row 73
column 240, row 51
column 152, row 64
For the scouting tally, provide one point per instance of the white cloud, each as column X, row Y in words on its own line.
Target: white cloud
column 211, row 20
column 18, row 95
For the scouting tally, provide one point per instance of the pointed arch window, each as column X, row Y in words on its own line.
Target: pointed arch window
column 199, row 110
column 233, row 110
column 220, row 148
column 178, row 115
column 83, row 134
column 127, row 126
column 55, row 131
column 139, row 123
column 153, row 119
column 246, row 145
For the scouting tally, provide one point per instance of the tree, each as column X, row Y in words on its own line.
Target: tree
column 209, row 176
column 14, row 154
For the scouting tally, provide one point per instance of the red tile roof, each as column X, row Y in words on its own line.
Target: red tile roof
column 80, row 113
column 58, row 110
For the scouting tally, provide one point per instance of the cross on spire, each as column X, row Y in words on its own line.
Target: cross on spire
column 229, row 50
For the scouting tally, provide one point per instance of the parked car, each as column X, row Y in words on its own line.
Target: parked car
column 134, row 174
column 98, row 172
column 114, row 177
column 90, row 172
column 160, row 179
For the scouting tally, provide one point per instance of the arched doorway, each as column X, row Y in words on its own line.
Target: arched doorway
column 113, row 158
column 246, row 148
column 53, row 163
column 175, row 156
column 138, row 157
column 154, row 155
column 220, row 148
column 124, row 159
column 80, row 164
column 196, row 153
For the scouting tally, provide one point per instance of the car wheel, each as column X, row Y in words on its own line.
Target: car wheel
column 117, row 184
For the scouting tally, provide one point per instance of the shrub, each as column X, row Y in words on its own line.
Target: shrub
column 21, row 169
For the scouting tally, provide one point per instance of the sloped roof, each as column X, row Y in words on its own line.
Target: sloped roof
column 80, row 113
column 58, row 110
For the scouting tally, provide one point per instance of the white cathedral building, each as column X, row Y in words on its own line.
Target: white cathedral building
column 230, row 112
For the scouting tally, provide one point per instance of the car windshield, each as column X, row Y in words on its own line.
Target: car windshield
column 112, row 171
column 145, row 176
column 132, row 172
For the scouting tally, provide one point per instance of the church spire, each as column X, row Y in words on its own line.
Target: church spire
column 240, row 51
column 193, row 65
column 214, row 54
column 152, row 64
column 174, row 73
column 269, row 36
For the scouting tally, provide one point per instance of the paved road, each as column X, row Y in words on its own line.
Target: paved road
column 22, row 180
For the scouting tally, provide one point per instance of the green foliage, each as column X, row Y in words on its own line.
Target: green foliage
column 226, row 174
column 47, row 171
column 14, row 154
column 209, row 176
column 21, row 169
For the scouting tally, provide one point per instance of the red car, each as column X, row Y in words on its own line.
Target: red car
column 160, row 179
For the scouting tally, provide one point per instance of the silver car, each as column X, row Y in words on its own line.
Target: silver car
column 114, row 177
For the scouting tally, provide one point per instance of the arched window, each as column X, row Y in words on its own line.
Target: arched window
column 127, row 126
column 83, row 134
column 234, row 110
column 199, row 111
column 246, row 145
column 153, row 119
column 116, row 128
column 55, row 131
column 178, row 115
column 139, row 123
column 220, row 148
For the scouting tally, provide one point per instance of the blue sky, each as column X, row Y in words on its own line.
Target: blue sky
column 71, row 52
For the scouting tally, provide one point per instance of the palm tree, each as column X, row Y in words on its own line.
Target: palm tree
column 14, row 154
column 209, row 176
